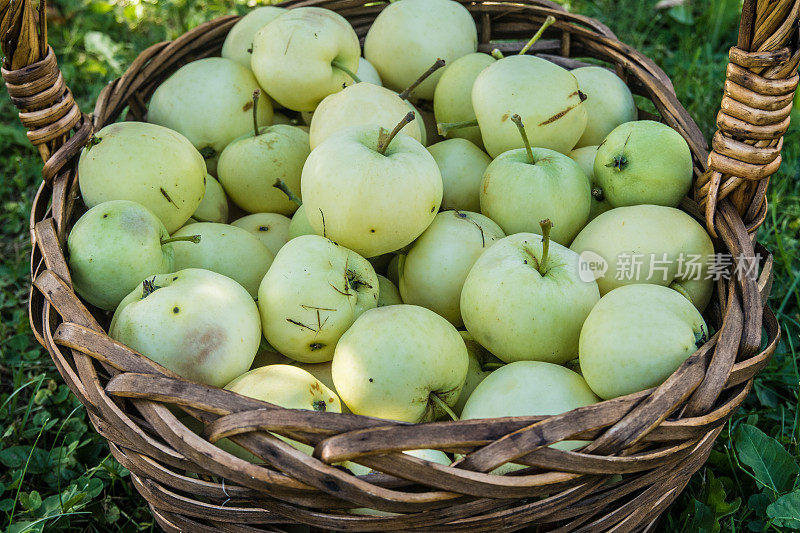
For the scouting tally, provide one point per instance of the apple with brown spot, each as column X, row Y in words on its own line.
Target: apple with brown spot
column 197, row 323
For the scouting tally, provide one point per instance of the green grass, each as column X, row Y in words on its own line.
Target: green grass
column 57, row 474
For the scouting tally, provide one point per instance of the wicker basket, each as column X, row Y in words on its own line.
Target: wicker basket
column 644, row 447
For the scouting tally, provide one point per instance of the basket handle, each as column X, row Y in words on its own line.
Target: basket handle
column 760, row 83
column 56, row 126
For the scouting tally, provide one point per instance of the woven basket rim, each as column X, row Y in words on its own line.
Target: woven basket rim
column 633, row 434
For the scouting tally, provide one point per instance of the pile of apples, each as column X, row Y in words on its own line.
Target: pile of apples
column 412, row 282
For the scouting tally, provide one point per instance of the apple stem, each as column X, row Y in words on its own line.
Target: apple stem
column 546, row 226
column 518, row 121
column 679, row 288
column 546, row 24
column 188, row 238
column 149, row 287
column 385, row 140
column 443, row 406
column 436, row 66
column 340, row 66
column 497, row 54
column 256, row 95
column 445, row 127
column 492, row 366
column 280, row 184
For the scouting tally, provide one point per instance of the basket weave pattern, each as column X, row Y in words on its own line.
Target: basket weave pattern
column 643, row 447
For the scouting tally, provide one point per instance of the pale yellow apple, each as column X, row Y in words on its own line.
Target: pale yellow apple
column 238, row 45
column 452, row 101
column 608, row 103
column 636, row 336
column 169, row 181
column 388, row 293
column 395, row 268
column 462, row 165
column 393, row 359
column 300, row 224
column 409, row 35
column 225, row 249
column 249, row 167
column 648, row 244
column 584, row 156
column 518, row 193
column 530, row 388
column 438, row 262
column 295, row 56
column 286, row 386
column 362, row 104
column 272, row 229
column 370, row 202
column 311, row 295
column 197, row 323
column 544, row 94
column 210, row 101
column 481, row 364
column 214, row 205
column 520, row 309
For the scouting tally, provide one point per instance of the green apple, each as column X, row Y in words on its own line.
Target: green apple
column 524, row 186
column 388, row 293
column 395, row 268
column 462, row 165
column 608, row 104
column 636, row 336
column 362, row 104
column 304, row 55
column 311, row 295
column 300, row 224
column 438, row 262
column 584, row 156
column 225, row 249
column 322, row 372
column 545, row 95
column 238, row 45
column 371, row 192
column 250, row 165
column 530, row 388
column 145, row 163
column 423, row 125
column 644, row 162
column 286, row 386
column 648, row 244
column 290, row 387
column 367, row 73
column 384, row 364
column 524, row 299
column 452, row 101
column 209, row 101
column 113, row 247
column 271, row 229
column 409, row 35
column 481, row 364
column 199, row 324
column 214, row 205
